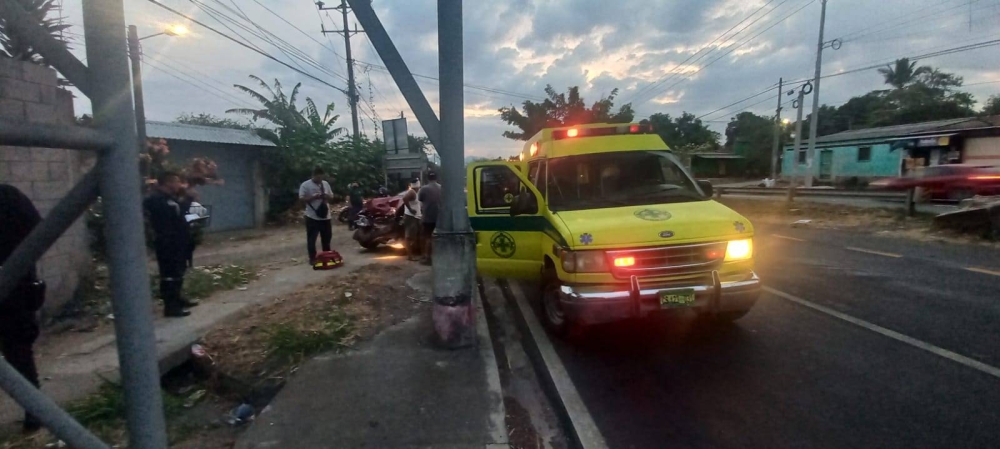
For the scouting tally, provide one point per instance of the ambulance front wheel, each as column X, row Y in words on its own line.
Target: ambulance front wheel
column 553, row 313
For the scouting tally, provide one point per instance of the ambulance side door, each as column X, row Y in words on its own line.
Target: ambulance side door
column 507, row 245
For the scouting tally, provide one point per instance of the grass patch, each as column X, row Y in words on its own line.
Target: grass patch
column 201, row 282
column 290, row 343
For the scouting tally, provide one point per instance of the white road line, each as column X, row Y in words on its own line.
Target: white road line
column 974, row 364
column 983, row 271
column 877, row 253
column 785, row 237
column 580, row 419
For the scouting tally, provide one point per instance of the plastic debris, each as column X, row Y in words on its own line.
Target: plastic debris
column 241, row 415
column 194, row 398
column 348, row 294
column 242, row 289
column 110, row 316
column 801, row 223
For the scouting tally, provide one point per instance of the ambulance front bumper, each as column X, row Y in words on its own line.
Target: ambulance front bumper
column 595, row 304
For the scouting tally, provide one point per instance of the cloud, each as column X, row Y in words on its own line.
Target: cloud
column 517, row 47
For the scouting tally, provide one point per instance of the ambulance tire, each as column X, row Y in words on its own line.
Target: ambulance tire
column 552, row 314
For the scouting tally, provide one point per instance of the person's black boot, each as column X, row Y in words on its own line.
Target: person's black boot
column 173, row 305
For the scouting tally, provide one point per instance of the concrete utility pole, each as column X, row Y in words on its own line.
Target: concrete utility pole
column 797, row 104
column 135, row 55
column 454, row 242
column 814, row 118
column 352, row 90
column 777, row 132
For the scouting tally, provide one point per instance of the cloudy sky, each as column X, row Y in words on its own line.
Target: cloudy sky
column 663, row 55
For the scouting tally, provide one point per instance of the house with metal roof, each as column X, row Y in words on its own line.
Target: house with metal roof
column 240, row 201
column 889, row 151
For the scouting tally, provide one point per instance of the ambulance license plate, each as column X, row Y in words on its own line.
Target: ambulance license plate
column 676, row 298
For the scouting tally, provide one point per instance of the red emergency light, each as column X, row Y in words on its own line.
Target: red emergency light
column 570, row 133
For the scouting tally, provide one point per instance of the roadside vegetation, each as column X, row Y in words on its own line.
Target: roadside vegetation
column 249, row 360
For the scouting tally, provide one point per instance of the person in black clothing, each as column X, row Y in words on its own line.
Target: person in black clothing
column 18, row 312
column 171, row 240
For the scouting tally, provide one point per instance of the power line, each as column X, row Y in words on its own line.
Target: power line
column 742, row 43
column 882, row 28
column 262, row 53
column 666, row 76
column 162, row 69
column 769, row 89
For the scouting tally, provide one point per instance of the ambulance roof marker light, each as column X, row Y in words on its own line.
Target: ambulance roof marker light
column 634, row 129
column 572, row 132
column 533, row 149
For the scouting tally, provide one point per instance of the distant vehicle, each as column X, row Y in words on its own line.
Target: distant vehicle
column 951, row 181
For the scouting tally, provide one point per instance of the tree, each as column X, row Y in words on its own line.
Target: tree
column 902, row 72
column 686, row 131
column 992, row 106
column 204, row 119
column 304, row 139
column 562, row 109
column 752, row 135
column 13, row 41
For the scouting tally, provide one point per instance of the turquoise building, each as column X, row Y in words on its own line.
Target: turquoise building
column 873, row 153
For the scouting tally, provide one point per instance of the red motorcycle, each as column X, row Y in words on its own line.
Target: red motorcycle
column 380, row 222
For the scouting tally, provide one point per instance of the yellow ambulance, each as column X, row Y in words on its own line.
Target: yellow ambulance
column 613, row 226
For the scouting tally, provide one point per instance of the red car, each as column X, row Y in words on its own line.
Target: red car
column 951, row 181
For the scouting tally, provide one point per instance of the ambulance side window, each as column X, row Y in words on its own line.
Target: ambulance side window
column 498, row 185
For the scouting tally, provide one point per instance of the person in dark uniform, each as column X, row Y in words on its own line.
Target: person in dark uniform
column 171, row 240
column 18, row 312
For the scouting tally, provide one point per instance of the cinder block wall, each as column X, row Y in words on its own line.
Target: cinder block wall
column 30, row 93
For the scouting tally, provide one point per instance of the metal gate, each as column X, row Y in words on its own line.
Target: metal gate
column 116, row 179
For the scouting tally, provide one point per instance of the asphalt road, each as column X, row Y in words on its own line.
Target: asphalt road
column 899, row 354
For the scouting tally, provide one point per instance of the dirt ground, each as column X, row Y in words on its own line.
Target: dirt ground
column 848, row 218
column 246, row 366
column 251, row 358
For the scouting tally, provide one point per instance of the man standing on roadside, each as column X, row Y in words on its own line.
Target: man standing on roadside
column 411, row 220
column 18, row 312
column 315, row 192
column 171, row 240
column 430, row 203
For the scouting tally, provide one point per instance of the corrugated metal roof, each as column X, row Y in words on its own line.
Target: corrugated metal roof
column 886, row 133
column 195, row 133
column 890, row 131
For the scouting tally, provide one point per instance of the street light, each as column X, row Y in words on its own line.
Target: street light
column 135, row 55
column 171, row 30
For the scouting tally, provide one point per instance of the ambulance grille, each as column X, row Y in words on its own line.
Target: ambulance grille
column 669, row 260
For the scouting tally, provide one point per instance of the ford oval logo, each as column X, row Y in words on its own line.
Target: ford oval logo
column 667, row 234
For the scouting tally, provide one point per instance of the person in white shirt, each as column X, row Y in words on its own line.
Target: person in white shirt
column 315, row 192
column 411, row 220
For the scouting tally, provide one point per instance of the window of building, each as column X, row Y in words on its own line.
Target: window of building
column 864, row 154
column 802, row 157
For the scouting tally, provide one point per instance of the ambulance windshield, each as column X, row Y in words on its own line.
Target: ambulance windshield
column 627, row 178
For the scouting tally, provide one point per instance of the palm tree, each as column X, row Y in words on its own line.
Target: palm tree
column 902, row 73
column 14, row 44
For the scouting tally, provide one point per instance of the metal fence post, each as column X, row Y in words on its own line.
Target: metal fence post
column 104, row 33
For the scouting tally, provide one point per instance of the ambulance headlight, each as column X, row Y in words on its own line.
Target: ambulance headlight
column 584, row 261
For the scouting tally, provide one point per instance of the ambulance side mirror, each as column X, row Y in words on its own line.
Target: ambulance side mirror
column 524, row 204
column 706, row 187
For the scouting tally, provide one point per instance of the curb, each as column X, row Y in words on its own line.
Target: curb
column 498, row 414
column 555, row 378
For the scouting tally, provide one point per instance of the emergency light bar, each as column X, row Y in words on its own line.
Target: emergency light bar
column 603, row 131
